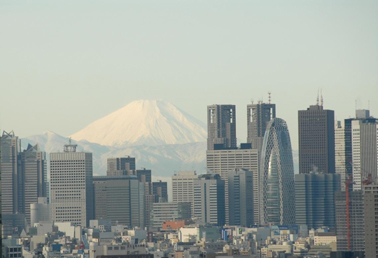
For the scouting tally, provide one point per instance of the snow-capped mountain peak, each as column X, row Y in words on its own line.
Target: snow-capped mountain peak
column 144, row 122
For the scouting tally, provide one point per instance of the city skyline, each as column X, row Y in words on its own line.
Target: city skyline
column 71, row 65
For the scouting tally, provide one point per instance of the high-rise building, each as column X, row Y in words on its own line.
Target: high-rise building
column 11, row 180
column 364, row 150
column 348, row 145
column 160, row 189
column 356, row 221
column 182, row 187
column 71, row 186
column 168, row 211
column 120, row 166
column 315, row 199
column 240, row 197
column 34, row 176
column 222, row 161
column 23, row 178
column 370, row 193
column 340, row 157
column 258, row 116
column 316, row 140
column 119, row 198
column 221, row 127
column 144, row 175
column 209, row 201
column 277, row 176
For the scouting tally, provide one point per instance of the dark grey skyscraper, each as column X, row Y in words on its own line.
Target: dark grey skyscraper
column 240, row 197
column 221, row 127
column 370, row 193
column 119, row 199
column 120, row 166
column 11, row 180
column 356, row 217
column 258, row 116
column 277, row 176
column 315, row 199
column 316, row 130
column 160, row 189
column 34, row 173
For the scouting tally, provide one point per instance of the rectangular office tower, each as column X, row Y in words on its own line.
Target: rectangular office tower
column 258, row 116
column 356, row 221
column 349, row 142
column 209, row 203
column 11, row 181
column 221, row 127
column 182, row 187
column 71, row 186
column 120, row 166
column 371, row 219
column 316, row 131
column 160, row 189
column 315, row 199
column 364, row 150
column 223, row 161
column 34, row 170
column 240, row 197
column 119, row 198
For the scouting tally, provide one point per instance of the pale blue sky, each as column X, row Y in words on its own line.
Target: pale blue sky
column 64, row 64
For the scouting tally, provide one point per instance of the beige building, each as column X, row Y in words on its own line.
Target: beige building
column 71, row 175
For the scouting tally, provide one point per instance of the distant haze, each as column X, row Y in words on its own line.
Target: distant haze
column 66, row 64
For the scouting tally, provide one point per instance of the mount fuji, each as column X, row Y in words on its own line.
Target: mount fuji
column 159, row 135
column 144, row 122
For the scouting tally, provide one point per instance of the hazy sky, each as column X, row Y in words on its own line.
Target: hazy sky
column 64, row 64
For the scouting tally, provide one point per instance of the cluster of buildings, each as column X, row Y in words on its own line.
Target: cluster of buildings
column 249, row 203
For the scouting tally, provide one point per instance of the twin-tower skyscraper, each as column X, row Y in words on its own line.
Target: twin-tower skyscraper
column 267, row 154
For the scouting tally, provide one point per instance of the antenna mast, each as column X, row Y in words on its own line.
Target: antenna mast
column 270, row 97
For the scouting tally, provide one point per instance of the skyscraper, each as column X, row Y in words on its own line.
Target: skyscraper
column 34, row 175
column 370, row 193
column 240, row 197
column 120, row 166
column 209, row 201
column 277, row 176
column 182, row 187
column 258, row 116
column 349, row 141
column 223, row 161
column 316, row 140
column 364, row 150
column 221, row 127
column 119, row 198
column 160, row 189
column 315, row 199
column 356, row 221
column 71, row 186
column 11, row 180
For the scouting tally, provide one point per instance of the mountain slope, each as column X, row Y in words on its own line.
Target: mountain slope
column 144, row 122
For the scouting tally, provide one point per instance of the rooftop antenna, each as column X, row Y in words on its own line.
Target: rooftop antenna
column 321, row 97
column 270, row 97
column 70, row 147
column 317, row 99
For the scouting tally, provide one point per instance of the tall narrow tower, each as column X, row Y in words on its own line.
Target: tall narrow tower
column 221, row 127
column 258, row 117
column 277, row 176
